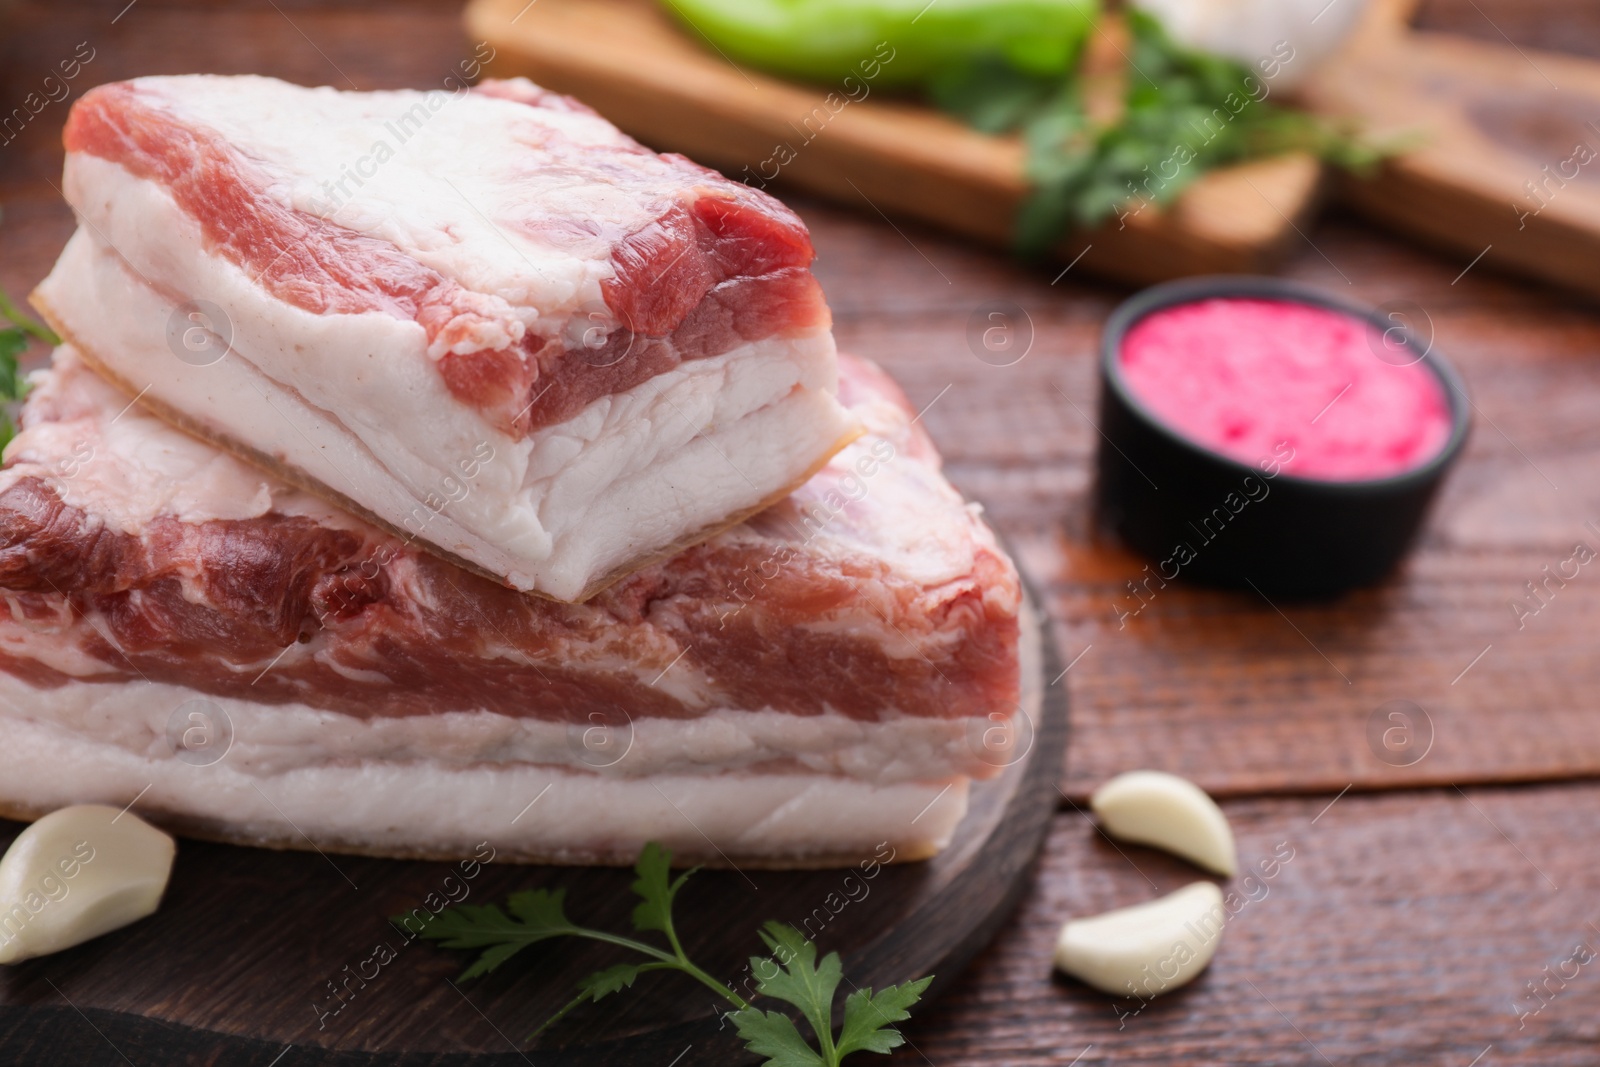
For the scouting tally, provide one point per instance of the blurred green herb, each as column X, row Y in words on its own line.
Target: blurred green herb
column 791, row 973
column 14, row 341
column 1184, row 112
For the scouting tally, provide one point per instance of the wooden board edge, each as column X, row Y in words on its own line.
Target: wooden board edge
column 1459, row 189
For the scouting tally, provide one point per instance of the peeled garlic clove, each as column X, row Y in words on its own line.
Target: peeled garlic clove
column 1147, row 949
column 1168, row 812
column 78, row 873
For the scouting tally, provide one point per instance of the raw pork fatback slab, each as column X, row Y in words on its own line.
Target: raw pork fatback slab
column 485, row 320
column 820, row 679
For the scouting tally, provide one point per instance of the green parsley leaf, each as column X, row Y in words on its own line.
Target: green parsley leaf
column 22, row 321
column 655, row 892
column 991, row 96
column 1184, row 113
column 868, row 1018
column 541, row 911
column 773, row 1035
column 14, row 341
column 599, row 985
column 536, row 915
column 491, row 958
column 793, row 974
column 12, row 344
column 613, row 979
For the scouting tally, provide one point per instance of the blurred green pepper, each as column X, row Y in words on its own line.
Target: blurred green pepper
column 892, row 42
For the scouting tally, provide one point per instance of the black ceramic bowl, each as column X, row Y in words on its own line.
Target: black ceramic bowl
column 1179, row 503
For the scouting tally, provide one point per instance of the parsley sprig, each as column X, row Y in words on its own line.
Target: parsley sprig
column 790, row 973
column 810, row 986
column 1184, row 112
column 14, row 341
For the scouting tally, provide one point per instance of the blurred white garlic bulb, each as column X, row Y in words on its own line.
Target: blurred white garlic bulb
column 1261, row 33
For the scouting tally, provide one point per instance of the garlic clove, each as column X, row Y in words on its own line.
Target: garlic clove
column 1148, row 949
column 78, row 873
column 1168, row 812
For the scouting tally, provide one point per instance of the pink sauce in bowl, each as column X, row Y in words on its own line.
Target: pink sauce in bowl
column 1243, row 377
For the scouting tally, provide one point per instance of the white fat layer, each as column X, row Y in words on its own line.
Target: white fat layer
column 896, row 746
column 504, row 198
column 116, row 461
column 276, row 739
column 626, row 477
column 111, row 458
column 434, row 807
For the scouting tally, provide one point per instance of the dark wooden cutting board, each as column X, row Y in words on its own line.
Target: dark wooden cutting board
column 236, row 966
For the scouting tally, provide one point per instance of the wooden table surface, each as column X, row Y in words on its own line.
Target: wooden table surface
column 1425, row 900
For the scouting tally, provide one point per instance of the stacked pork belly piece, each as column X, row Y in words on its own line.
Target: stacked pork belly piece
column 423, row 469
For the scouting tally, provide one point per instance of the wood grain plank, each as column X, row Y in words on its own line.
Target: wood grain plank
column 421, row 44
column 1402, row 933
column 1503, row 148
column 1247, row 699
column 1552, row 25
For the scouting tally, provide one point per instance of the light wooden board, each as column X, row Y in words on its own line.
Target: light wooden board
column 1489, row 119
column 883, row 156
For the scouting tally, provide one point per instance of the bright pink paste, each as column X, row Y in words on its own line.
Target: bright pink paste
column 1241, row 376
